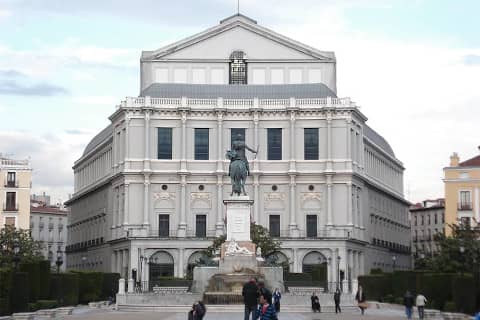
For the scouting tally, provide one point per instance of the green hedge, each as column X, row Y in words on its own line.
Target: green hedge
column 43, row 304
column 436, row 287
column 110, row 285
column 33, row 270
column 44, row 292
column 20, row 293
column 376, row 286
column 5, row 290
column 403, row 281
column 463, row 293
column 90, row 286
column 64, row 287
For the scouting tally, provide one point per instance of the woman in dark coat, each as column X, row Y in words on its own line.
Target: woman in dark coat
column 315, row 303
column 361, row 299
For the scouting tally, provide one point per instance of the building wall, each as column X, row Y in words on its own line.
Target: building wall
column 21, row 188
column 457, row 179
column 424, row 228
column 51, row 230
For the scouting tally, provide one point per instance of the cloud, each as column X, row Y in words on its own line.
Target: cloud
column 472, row 59
column 51, row 154
column 13, row 82
column 77, row 132
column 40, row 89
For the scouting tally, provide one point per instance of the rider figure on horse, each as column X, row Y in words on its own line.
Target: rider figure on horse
column 239, row 168
column 239, row 146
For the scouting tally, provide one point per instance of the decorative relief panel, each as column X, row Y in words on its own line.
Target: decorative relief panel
column 164, row 199
column 311, row 200
column 274, row 200
column 201, row 200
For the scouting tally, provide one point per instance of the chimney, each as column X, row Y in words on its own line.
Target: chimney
column 454, row 160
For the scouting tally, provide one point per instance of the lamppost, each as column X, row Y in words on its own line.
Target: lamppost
column 59, row 261
column 394, row 260
column 462, row 251
column 16, row 255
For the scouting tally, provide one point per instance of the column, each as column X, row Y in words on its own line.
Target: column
column 181, row 268
column 125, row 209
column 296, row 269
column 329, row 142
column 146, row 162
column 292, row 141
column 219, row 225
column 349, row 143
column 220, row 142
column 182, row 227
column 255, row 138
column 349, row 204
column 329, row 200
column 146, row 200
column 293, row 227
column 361, row 263
column 256, row 198
column 115, row 208
column 183, row 161
column 359, row 207
column 127, row 142
column 125, row 264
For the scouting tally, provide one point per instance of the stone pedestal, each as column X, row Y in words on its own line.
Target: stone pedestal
column 121, row 286
column 345, row 286
column 130, row 287
column 238, row 218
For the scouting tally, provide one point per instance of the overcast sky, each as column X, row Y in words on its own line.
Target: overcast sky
column 412, row 66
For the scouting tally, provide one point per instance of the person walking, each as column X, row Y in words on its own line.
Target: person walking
column 336, row 299
column 420, row 302
column 315, row 303
column 250, row 295
column 277, row 296
column 265, row 310
column 408, row 302
column 361, row 299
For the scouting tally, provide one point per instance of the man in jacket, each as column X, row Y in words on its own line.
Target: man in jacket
column 250, row 298
column 408, row 302
column 336, row 299
column 421, row 300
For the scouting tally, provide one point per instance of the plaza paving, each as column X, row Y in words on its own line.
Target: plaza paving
column 101, row 314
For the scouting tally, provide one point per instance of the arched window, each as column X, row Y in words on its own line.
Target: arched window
column 238, row 68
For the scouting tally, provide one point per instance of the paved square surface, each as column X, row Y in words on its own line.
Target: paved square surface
column 371, row 314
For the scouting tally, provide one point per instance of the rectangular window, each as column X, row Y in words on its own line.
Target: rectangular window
column 10, row 205
column 201, row 144
column 310, row 143
column 11, row 179
column 311, row 226
column 163, row 225
column 164, row 145
column 274, row 225
column 465, row 200
column 201, row 226
column 274, row 137
column 436, row 218
column 10, row 221
column 234, row 132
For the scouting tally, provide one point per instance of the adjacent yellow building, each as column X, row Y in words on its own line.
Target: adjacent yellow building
column 462, row 192
column 15, row 185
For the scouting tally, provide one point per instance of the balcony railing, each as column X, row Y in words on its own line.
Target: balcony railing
column 11, row 184
column 465, row 206
column 10, row 207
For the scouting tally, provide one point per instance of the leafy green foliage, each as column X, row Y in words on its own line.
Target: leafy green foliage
column 19, row 292
column 30, row 250
column 262, row 239
column 449, row 258
column 64, row 287
column 5, row 290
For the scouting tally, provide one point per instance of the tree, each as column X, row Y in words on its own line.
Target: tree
column 29, row 249
column 450, row 257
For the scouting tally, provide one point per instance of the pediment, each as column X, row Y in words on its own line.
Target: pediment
column 238, row 34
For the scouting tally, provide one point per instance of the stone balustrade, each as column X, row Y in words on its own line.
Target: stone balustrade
column 220, row 103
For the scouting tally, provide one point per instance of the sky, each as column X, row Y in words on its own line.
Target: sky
column 412, row 65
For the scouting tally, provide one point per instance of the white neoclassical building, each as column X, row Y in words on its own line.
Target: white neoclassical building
column 149, row 187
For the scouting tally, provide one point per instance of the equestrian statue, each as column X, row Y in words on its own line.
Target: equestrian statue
column 239, row 168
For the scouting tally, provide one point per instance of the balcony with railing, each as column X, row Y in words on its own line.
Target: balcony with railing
column 11, row 184
column 464, row 206
column 10, row 207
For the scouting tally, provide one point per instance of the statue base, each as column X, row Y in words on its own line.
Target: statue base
column 238, row 218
